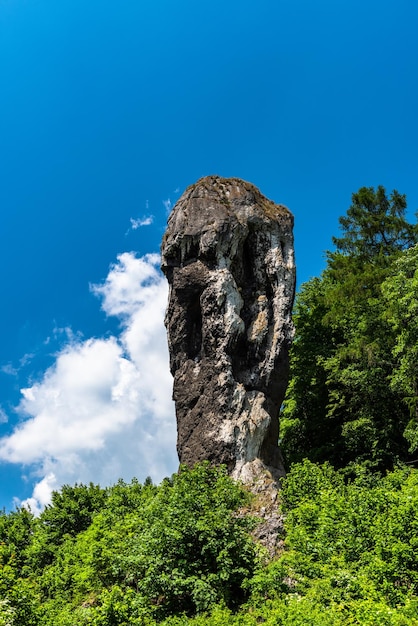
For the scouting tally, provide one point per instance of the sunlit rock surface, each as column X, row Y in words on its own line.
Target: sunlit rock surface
column 229, row 259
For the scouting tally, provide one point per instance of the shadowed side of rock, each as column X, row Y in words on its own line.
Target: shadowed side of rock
column 229, row 260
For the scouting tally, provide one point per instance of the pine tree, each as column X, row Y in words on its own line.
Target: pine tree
column 340, row 404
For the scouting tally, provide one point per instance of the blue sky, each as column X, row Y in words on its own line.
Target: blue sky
column 107, row 112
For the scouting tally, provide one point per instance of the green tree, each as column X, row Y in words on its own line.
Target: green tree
column 306, row 428
column 19, row 597
column 193, row 550
column 150, row 551
column 16, row 533
column 71, row 511
column 340, row 405
column 375, row 225
column 400, row 291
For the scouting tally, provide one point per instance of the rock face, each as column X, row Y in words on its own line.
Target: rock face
column 229, row 260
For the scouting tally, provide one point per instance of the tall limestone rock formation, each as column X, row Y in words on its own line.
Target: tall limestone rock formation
column 228, row 257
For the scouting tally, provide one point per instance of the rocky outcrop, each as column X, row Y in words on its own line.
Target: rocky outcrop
column 229, row 260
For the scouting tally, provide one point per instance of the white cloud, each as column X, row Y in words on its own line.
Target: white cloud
column 26, row 358
column 104, row 410
column 42, row 494
column 138, row 222
column 168, row 205
column 146, row 220
column 3, row 417
column 76, row 405
column 9, row 369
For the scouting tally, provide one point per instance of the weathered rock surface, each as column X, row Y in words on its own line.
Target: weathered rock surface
column 229, row 260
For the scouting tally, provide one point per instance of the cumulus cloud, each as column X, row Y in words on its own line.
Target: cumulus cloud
column 103, row 411
column 41, row 494
column 79, row 401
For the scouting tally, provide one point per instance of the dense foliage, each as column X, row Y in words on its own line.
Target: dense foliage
column 128, row 553
column 352, row 392
column 178, row 554
column 182, row 554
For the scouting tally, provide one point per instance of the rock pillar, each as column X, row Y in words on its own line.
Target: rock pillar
column 229, row 260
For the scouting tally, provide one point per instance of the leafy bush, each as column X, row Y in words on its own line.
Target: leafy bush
column 179, row 554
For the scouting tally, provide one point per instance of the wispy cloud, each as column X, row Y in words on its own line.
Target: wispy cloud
column 146, row 220
column 9, row 369
column 26, row 358
column 3, row 417
column 104, row 409
column 139, row 222
column 168, row 205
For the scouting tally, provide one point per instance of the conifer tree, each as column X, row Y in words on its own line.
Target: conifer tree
column 340, row 404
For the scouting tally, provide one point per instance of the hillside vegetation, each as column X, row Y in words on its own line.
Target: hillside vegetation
column 182, row 553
